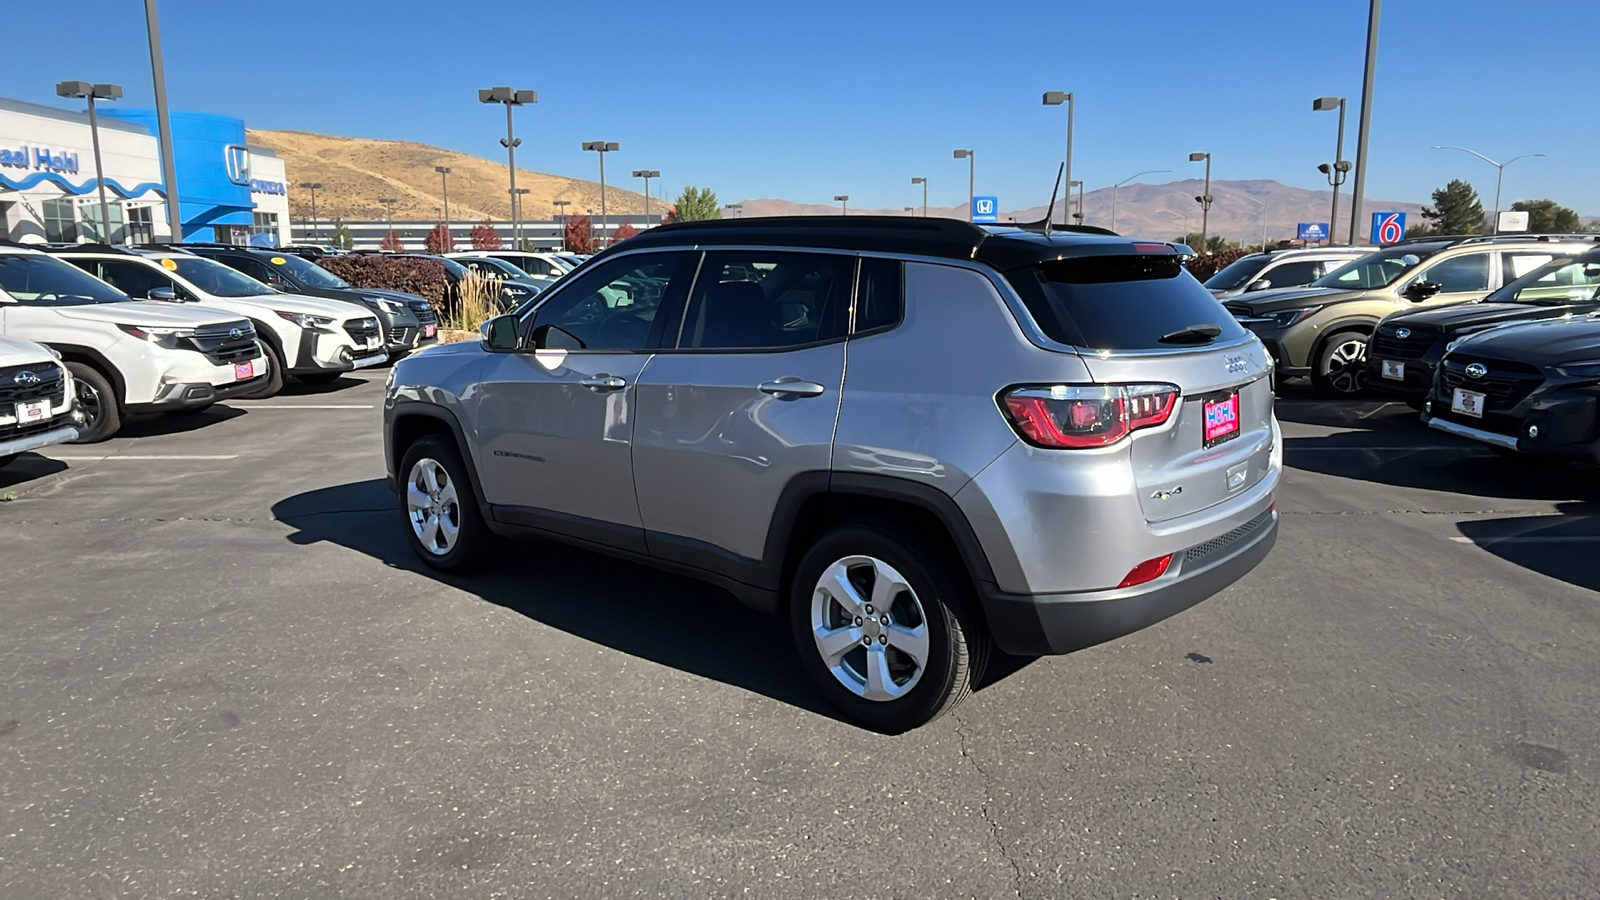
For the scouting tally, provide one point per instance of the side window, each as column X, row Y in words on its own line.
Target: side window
column 752, row 299
column 619, row 305
column 255, row 268
column 1292, row 274
column 134, row 279
column 1460, row 273
column 880, row 296
column 1515, row 265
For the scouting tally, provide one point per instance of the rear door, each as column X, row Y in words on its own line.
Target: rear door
column 748, row 399
column 1463, row 277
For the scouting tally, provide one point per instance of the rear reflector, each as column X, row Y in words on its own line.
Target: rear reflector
column 1149, row 570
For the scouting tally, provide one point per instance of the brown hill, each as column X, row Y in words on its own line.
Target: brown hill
column 355, row 172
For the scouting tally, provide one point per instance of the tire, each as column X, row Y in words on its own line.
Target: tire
column 274, row 382
column 1341, row 367
column 98, row 400
column 320, row 377
column 435, row 498
column 871, row 657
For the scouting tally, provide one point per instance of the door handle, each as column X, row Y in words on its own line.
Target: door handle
column 604, row 382
column 794, row 388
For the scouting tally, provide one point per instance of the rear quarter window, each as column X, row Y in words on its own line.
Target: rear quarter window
column 1119, row 302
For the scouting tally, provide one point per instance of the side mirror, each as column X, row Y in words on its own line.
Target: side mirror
column 503, row 332
column 167, row 294
column 1421, row 290
column 550, row 337
column 1260, row 284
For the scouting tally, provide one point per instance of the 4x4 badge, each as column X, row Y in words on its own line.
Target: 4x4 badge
column 1477, row 370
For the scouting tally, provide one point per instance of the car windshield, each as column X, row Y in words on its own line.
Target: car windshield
column 1562, row 280
column 308, row 273
column 1239, row 273
column 1375, row 270
column 211, row 277
column 40, row 280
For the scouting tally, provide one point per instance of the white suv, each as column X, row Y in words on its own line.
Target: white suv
column 36, row 408
column 309, row 337
column 126, row 357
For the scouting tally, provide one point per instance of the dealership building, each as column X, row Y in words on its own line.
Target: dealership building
column 228, row 191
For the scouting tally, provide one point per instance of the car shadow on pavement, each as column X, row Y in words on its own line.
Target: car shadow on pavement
column 28, row 467
column 177, row 423
column 294, row 387
column 1560, row 546
column 1438, row 462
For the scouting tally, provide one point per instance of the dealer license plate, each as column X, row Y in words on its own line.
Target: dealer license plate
column 429, row 331
column 1394, row 371
column 1467, row 403
column 374, row 343
column 244, row 371
column 33, row 413
column 1222, row 419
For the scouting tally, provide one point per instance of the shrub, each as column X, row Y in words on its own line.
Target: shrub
column 623, row 232
column 424, row 277
column 1204, row 267
column 391, row 241
column 484, row 237
column 578, row 235
column 479, row 300
column 439, row 240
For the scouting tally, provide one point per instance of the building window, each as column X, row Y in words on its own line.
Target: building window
column 141, row 227
column 265, row 223
column 91, row 222
column 60, row 221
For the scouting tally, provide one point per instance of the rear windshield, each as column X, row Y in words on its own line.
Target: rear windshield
column 1122, row 303
column 1240, row 273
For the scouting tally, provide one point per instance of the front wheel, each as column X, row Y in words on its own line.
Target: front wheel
column 885, row 629
column 446, row 530
column 273, row 383
column 98, row 401
column 1341, row 369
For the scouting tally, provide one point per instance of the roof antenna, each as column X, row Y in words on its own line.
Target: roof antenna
column 1051, row 210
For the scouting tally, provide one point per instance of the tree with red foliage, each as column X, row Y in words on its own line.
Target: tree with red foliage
column 623, row 232
column 578, row 235
column 484, row 237
column 439, row 240
column 391, row 241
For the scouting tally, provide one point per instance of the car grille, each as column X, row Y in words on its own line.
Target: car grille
column 362, row 330
column 1385, row 345
column 51, row 385
column 10, row 432
column 226, row 344
column 424, row 312
column 1508, row 383
column 1201, row 552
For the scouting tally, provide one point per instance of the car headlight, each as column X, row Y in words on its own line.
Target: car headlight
column 1283, row 318
column 162, row 337
column 305, row 320
column 1589, row 368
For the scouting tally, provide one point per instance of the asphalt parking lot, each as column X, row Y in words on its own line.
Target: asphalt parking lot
column 225, row 676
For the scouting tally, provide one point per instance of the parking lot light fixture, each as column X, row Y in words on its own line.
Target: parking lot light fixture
column 1057, row 98
column 511, row 98
column 1263, row 206
column 1119, row 184
column 1495, row 227
column 844, row 203
column 92, row 92
column 1079, row 185
column 1204, row 200
column 388, row 210
column 924, row 182
column 444, row 181
column 971, row 156
column 646, row 174
column 169, row 165
column 1368, row 77
column 1340, row 167
column 516, row 234
column 602, row 148
column 313, row 187
column 737, row 208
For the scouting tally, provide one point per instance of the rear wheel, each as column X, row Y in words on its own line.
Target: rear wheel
column 98, row 401
column 273, row 383
column 884, row 627
column 446, row 530
column 1341, row 368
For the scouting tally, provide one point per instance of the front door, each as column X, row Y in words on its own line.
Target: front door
column 555, row 427
column 747, row 400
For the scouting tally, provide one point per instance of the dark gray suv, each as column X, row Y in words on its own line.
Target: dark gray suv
column 916, row 438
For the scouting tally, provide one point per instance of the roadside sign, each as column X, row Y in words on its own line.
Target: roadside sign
column 1513, row 220
column 1388, row 227
column 985, row 209
column 1313, row 231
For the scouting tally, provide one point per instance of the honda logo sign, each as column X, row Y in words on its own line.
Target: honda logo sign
column 237, row 159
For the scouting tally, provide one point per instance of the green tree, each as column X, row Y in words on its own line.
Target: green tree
column 1455, row 210
column 341, row 237
column 1549, row 217
column 1419, row 229
column 695, row 204
column 1215, row 243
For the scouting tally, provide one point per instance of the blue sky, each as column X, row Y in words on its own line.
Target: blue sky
column 805, row 100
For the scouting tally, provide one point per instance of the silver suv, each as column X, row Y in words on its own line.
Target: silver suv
column 915, row 438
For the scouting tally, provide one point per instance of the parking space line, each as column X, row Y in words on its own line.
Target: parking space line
column 141, row 457
column 1552, row 539
column 308, row 406
column 1289, row 446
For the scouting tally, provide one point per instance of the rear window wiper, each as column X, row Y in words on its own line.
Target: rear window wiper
column 1203, row 333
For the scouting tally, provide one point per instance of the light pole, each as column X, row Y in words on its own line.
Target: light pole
column 1079, row 185
column 444, row 181
column 1498, row 178
column 561, row 216
column 91, row 93
column 1341, row 167
column 1264, row 221
column 1367, row 78
column 738, row 209
column 924, row 183
column 1204, row 199
column 1119, row 184
column 511, row 98
column 602, row 148
column 1056, row 98
column 646, row 174
column 313, row 187
column 971, row 156
column 388, row 218
column 517, row 233
column 844, row 203
column 169, row 168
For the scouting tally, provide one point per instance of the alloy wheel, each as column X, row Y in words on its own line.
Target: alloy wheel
column 433, row 506
column 1346, row 369
column 870, row 628
column 91, row 403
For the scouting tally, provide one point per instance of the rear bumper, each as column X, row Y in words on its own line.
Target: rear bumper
column 38, row 440
column 1044, row 624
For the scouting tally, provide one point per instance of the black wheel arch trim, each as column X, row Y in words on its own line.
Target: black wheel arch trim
column 98, row 361
column 393, row 454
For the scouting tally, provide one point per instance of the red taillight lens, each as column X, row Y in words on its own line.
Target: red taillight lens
column 1149, row 570
column 1078, row 417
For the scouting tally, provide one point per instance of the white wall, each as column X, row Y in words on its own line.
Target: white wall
column 266, row 173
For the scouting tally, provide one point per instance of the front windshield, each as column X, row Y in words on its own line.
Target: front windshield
column 1239, row 273
column 1375, row 270
column 1560, row 281
column 308, row 273
column 211, row 277
column 43, row 281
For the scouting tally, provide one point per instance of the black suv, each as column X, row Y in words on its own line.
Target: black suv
column 409, row 321
column 1404, row 351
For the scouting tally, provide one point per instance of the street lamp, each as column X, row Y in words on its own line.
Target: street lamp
column 1119, row 184
column 1056, row 98
column 91, row 93
column 561, row 214
column 1340, row 167
column 388, row 216
column 1079, row 185
column 602, row 148
column 738, row 209
column 444, row 181
column 313, row 187
column 1369, row 75
column 971, row 156
column 169, row 168
column 1498, row 178
column 844, row 203
column 924, row 183
column 510, row 98
column 646, row 174
column 1204, row 199
column 516, row 234
column 1264, row 222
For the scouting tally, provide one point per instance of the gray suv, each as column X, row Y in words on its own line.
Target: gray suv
column 915, row 438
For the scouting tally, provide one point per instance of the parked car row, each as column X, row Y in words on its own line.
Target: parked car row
column 145, row 331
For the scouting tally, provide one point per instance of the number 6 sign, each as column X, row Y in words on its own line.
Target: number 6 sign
column 1388, row 227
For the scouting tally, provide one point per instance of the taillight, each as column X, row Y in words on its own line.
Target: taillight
column 1078, row 417
column 1149, row 570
